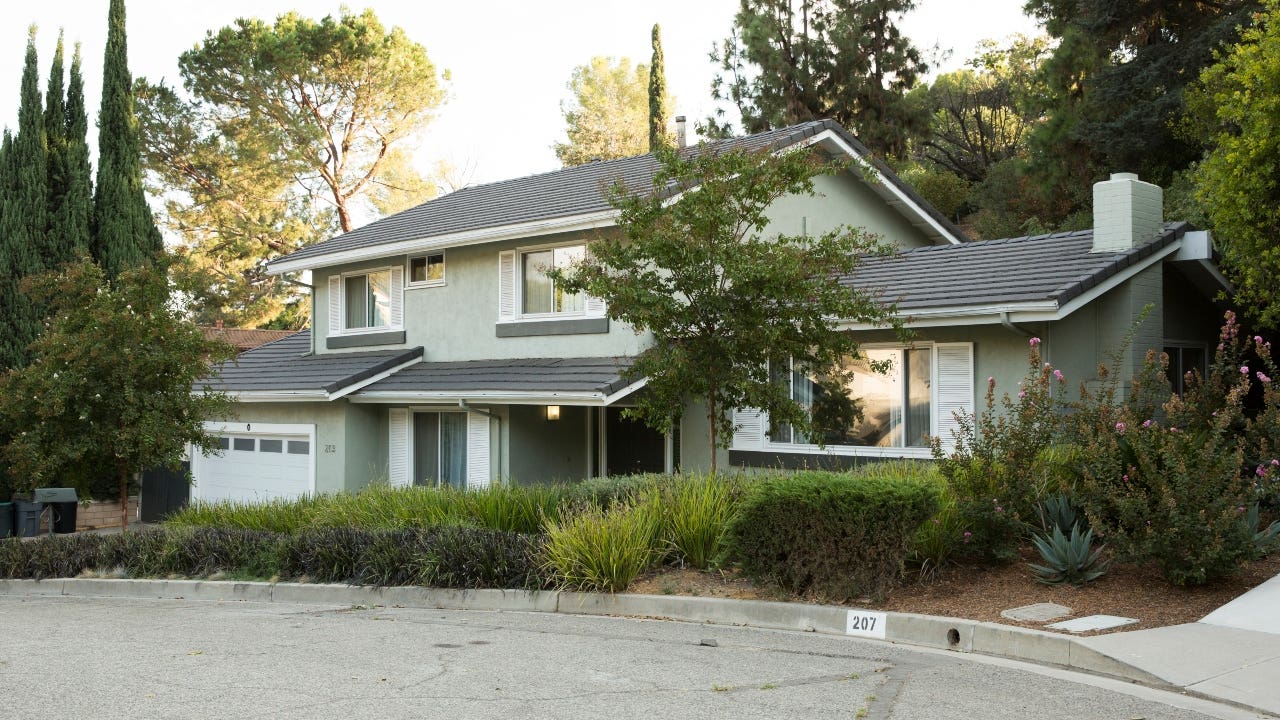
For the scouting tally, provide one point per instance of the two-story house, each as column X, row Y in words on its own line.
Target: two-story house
column 440, row 352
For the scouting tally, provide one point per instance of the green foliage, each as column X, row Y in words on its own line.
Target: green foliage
column 290, row 130
column 696, row 512
column 604, row 549
column 70, row 192
column 1237, row 100
column 1068, row 559
column 1059, row 510
column 1265, row 539
column 836, row 535
column 109, row 388
column 791, row 61
column 124, row 235
column 278, row 516
column 700, row 275
column 608, row 115
column 659, row 102
column 939, row 539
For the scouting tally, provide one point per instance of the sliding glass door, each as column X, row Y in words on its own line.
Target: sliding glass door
column 440, row 449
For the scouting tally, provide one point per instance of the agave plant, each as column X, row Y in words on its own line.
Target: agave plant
column 1059, row 510
column 1265, row 539
column 1068, row 559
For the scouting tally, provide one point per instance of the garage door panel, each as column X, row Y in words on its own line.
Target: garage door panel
column 255, row 468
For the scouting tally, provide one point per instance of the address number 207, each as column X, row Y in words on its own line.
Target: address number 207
column 865, row 624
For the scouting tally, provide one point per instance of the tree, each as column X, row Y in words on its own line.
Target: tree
column 1237, row 101
column 608, row 116
column 71, row 197
column 23, row 225
column 720, row 296
column 288, row 133
column 791, row 61
column 110, row 382
column 124, row 234
column 659, row 111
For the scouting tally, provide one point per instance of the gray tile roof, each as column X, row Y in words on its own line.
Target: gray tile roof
column 563, row 193
column 1056, row 267
column 286, row 365
column 550, row 375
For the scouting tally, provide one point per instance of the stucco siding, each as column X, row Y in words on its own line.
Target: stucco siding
column 843, row 200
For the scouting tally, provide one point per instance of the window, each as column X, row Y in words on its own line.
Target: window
column 427, row 270
column 895, row 407
column 440, row 449
column 540, row 295
column 243, row 444
column 368, row 300
column 270, row 446
column 1184, row 359
column 299, row 447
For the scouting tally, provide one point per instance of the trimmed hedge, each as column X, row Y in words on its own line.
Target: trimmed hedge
column 837, row 535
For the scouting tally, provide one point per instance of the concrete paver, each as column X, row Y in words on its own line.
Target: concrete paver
column 1093, row 622
column 1037, row 612
column 1257, row 610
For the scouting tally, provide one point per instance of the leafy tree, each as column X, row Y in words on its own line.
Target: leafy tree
column 1116, row 82
column 659, row 111
column 608, row 116
column 110, row 382
column 124, row 234
column 1238, row 100
column 23, row 225
column 790, row 61
column 721, row 293
column 291, row 130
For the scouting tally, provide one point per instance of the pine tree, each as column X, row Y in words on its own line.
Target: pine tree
column 124, row 234
column 23, row 227
column 658, row 109
column 55, row 130
column 70, row 225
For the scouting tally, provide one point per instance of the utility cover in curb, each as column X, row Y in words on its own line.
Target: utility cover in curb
column 1093, row 622
column 1039, row 612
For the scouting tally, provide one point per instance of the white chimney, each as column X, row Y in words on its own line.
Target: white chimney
column 1126, row 213
column 681, row 141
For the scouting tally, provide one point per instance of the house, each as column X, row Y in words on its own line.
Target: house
column 440, row 353
column 243, row 338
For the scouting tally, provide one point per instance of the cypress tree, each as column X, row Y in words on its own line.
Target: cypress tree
column 124, row 234
column 70, row 225
column 24, row 225
column 657, row 94
column 55, row 131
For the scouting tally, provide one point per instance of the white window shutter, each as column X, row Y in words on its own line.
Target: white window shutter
column 477, row 451
column 595, row 307
column 398, row 449
column 335, row 304
column 749, row 434
column 507, row 285
column 955, row 389
column 397, row 297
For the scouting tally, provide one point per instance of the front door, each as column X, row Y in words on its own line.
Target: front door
column 633, row 447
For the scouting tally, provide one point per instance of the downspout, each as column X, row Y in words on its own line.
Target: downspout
column 1005, row 321
column 463, row 404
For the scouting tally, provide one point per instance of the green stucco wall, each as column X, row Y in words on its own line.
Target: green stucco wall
column 546, row 451
column 843, row 200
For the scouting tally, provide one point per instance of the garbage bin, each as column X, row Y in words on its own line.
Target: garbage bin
column 64, row 516
column 26, row 518
column 6, row 519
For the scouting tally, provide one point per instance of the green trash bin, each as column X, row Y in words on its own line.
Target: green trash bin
column 26, row 518
column 6, row 519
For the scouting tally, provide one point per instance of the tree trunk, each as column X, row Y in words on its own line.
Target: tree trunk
column 124, row 499
column 711, row 418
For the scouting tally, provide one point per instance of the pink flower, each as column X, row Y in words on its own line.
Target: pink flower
column 1260, row 472
column 1120, row 427
column 1148, row 423
column 1022, row 394
column 1244, row 369
column 1257, row 339
column 1124, row 478
column 999, row 509
column 1033, row 341
column 1262, row 378
column 990, row 379
column 1058, row 374
column 967, row 535
column 1275, row 462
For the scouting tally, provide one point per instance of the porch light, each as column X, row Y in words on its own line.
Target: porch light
column 553, row 412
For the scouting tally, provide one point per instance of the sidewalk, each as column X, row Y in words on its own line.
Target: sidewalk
column 1232, row 654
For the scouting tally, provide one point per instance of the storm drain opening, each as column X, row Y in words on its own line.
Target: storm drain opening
column 953, row 637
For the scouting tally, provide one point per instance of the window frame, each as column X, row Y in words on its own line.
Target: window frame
column 518, row 281
column 426, row 256
column 897, row 451
column 392, row 299
column 1183, row 345
column 412, row 449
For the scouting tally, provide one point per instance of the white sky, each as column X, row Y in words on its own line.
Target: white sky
column 509, row 59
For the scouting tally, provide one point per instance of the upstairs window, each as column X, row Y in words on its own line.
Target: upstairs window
column 540, row 295
column 427, row 270
column 367, row 298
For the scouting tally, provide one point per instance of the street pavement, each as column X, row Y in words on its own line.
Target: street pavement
column 78, row 657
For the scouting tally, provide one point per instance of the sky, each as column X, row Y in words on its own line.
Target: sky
column 509, row 59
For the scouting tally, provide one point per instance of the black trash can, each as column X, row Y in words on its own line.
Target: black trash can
column 26, row 518
column 6, row 519
column 64, row 516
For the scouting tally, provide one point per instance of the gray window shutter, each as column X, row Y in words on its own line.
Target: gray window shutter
column 397, row 297
column 477, row 451
column 398, row 450
column 507, row 285
column 749, row 432
column 335, row 304
column 954, row 387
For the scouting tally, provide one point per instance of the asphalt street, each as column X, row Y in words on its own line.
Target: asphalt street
column 111, row 658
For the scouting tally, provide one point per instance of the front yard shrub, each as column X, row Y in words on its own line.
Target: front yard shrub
column 202, row 551
column 514, row 508
column 696, row 513
column 1068, row 558
column 386, row 507
column 594, row 548
column 837, row 535
column 279, row 516
column 459, row 557
column 324, row 554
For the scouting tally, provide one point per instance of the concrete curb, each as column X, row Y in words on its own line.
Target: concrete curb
column 969, row 636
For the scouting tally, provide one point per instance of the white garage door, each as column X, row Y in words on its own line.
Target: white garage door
column 257, row 462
